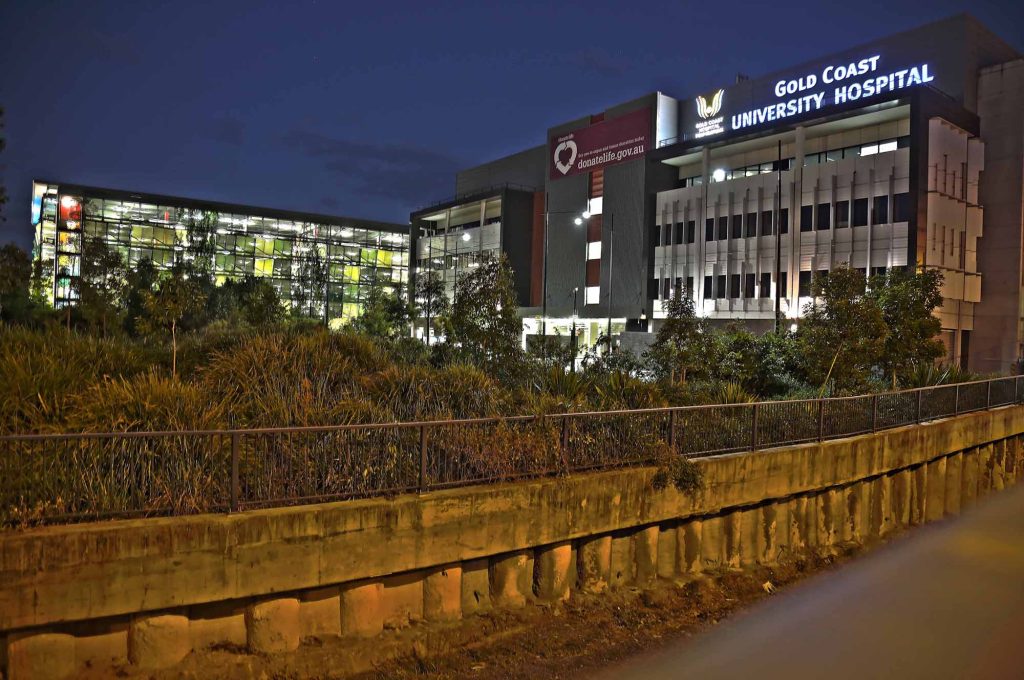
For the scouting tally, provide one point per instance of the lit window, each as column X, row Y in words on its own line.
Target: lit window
column 869, row 150
column 593, row 295
column 596, row 205
column 594, row 250
column 887, row 146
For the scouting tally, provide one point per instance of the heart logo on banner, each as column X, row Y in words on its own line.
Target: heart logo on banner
column 570, row 145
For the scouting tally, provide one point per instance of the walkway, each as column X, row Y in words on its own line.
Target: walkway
column 946, row 601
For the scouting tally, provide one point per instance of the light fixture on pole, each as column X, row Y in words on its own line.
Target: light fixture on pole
column 575, row 295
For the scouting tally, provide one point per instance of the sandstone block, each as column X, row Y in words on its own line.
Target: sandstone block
column 401, row 600
column 158, row 641
column 217, row 624
column 668, row 558
column 320, row 613
column 688, row 536
column 552, row 570
column 476, row 587
column 442, row 594
column 594, row 563
column 40, row 656
column 273, row 626
column 623, row 564
column 645, row 553
column 361, row 611
column 507, row 574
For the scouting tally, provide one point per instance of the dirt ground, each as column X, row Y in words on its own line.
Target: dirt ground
column 540, row 641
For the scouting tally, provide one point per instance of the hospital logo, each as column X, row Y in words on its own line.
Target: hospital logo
column 706, row 110
column 566, row 146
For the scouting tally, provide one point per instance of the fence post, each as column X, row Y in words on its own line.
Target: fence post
column 234, row 472
column 988, row 395
column 1016, row 380
column 753, row 430
column 821, row 419
column 956, row 400
column 874, row 413
column 672, row 430
column 920, row 398
column 423, row 458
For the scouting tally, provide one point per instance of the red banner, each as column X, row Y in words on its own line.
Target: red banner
column 614, row 141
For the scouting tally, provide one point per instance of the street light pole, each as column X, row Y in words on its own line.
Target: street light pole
column 575, row 293
column 544, row 285
column 611, row 252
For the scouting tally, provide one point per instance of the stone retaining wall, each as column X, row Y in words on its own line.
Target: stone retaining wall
column 150, row 591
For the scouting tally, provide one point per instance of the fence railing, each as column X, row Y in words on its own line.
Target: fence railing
column 78, row 477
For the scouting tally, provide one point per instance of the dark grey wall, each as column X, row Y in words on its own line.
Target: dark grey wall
column 517, row 238
column 567, row 243
column 526, row 168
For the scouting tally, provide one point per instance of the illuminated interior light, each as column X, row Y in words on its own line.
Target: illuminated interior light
column 578, row 221
column 465, row 237
column 68, row 202
column 718, row 175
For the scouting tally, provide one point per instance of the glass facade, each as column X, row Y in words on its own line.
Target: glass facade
column 322, row 267
column 454, row 240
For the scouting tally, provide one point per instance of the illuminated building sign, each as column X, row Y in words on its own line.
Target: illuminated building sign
column 613, row 141
column 832, row 85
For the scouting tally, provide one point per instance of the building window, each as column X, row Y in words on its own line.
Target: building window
column 784, row 221
column 824, row 216
column 748, row 285
column 751, row 226
column 689, row 285
column 709, row 292
column 860, row 212
column 806, row 215
column 737, row 226
column 592, row 295
column 783, row 287
column 880, row 213
column 805, row 284
column 734, row 286
column 680, row 230
column 720, row 286
column 709, row 229
column 594, row 250
column 766, row 223
column 691, row 231
column 723, row 228
column 766, row 285
column 901, row 208
column 842, row 214
column 666, row 289
column 656, row 235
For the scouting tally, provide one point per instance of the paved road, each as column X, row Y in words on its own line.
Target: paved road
column 947, row 601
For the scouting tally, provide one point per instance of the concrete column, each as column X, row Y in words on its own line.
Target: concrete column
column 954, row 481
column 998, row 465
column 935, row 508
column 645, row 552
column 733, row 534
column 273, row 626
column 688, row 537
column 984, row 469
column 319, row 613
column 218, row 623
column 552, row 571
column 749, row 527
column 806, row 523
column 668, row 552
column 361, row 612
column 401, row 600
column 508, row 573
column 99, row 649
column 969, row 478
column 442, row 594
column 902, row 491
column 41, row 655
column 919, row 497
column 881, row 521
column 774, row 534
column 829, row 508
column 852, row 527
column 158, row 641
column 623, row 563
column 712, row 548
column 1011, row 461
column 476, row 586
column 593, row 563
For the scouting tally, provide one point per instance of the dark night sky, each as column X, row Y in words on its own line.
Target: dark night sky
column 367, row 109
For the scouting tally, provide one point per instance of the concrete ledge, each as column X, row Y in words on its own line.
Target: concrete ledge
column 124, row 568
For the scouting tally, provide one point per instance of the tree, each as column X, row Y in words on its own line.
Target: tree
column 843, row 331
column 908, row 300
column 484, row 324
column 385, row 314
column 683, row 342
column 139, row 284
column 15, row 275
column 431, row 298
column 174, row 298
column 101, row 285
column 312, row 277
column 253, row 299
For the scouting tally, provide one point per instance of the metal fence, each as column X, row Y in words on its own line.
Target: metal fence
column 77, row 477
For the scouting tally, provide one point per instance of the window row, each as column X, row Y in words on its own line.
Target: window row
column 823, row 216
column 736, row 286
